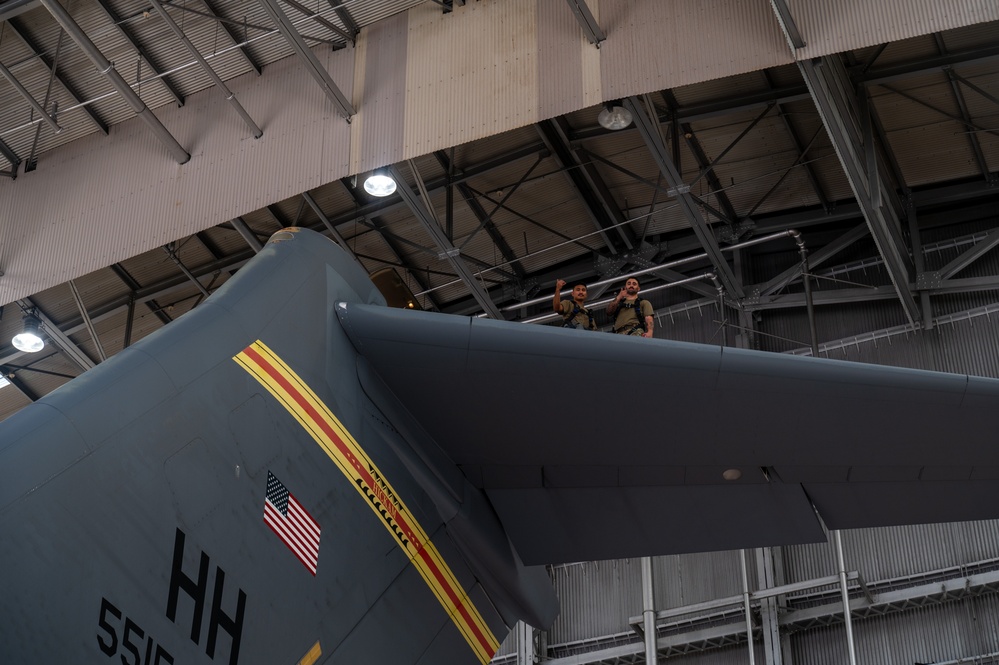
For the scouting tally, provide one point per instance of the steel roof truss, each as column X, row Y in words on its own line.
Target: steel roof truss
column 312, row 64
column 814, row 260
column 346, row 19
column 16, row 28
column 319, row 18
column 682, row 193
column 838, row 107
column 970, row 255
column 86, row 320
column 228, row 94
column 449, row 251
column 480, row 214
column 58, row 337
column 507, row 193
column 236, row 40
column 77, row 34
column 123, row 30
column 378, row 227
column 601, row 212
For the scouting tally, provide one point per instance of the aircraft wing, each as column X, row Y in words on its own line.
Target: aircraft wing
column 594, row 446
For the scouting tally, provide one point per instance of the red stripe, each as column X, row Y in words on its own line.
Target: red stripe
column 324, row 426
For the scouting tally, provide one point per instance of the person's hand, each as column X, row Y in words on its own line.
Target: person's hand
column 647, row 334
column 559, row 283
column 622, row 294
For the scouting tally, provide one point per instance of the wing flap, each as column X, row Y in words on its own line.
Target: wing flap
column 561, row 525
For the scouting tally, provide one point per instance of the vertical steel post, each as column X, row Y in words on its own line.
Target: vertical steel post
column 745, row 606
column 649, row 612
column 840, row 563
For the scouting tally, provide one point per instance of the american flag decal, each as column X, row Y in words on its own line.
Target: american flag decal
column 292, row 524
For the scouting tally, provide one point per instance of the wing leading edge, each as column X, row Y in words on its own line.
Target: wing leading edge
column 568, row 432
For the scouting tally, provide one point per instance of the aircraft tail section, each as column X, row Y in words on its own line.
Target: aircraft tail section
column 227, row 487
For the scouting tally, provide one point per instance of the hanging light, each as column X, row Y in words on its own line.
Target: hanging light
column 379, row 183
column 614, row 116
column 29, row 339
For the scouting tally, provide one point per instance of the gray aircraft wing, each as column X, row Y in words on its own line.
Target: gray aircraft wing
column 595, row 446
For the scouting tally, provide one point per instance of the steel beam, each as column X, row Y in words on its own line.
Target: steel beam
column 219, row 83
column 345, row 18
column 839, row 109
column 586, row 21
column 240, row 44
column 787, row 23
column 58, row 337
column 77, row 34
column 27, row 96
column 682, row 192
column 448, row 251
column 86, row 320
column 604, row 214
column 312, row 64
column 480, row 214
column 123, row 30
column 332, row 229
column 814, row 260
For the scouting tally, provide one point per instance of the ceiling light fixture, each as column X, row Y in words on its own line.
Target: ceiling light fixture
column 614, row 116
column 379, row 183
column 29, row 340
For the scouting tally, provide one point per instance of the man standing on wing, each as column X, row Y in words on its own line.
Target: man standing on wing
column 632, row 315
column 574, row 312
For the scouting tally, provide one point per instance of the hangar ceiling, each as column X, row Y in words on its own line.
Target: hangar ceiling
column 884, row 159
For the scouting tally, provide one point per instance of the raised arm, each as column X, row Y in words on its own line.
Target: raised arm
column 557, row 301
column 613, row 304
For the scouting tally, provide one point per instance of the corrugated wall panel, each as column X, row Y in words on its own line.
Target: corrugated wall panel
column 684, row 42
column 597, row 599
column 842, row 25
column 487, row 72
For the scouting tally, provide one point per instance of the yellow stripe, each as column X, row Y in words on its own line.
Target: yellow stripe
column 418, row 544
column 314, row 653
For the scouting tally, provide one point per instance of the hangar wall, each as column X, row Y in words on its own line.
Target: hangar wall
column 422, row 81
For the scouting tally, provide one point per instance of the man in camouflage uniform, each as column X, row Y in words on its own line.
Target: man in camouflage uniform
column 574, row 312
column 632, row 315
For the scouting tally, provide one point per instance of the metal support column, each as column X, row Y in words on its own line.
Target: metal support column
column 649, row 612
column 845, row 595
column 766, row 578
column 745, row 607
column 525, row 644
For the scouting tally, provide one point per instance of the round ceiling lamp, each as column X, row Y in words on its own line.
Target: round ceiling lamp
column 29, row 340
column 614, row 116
column 379, row 183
